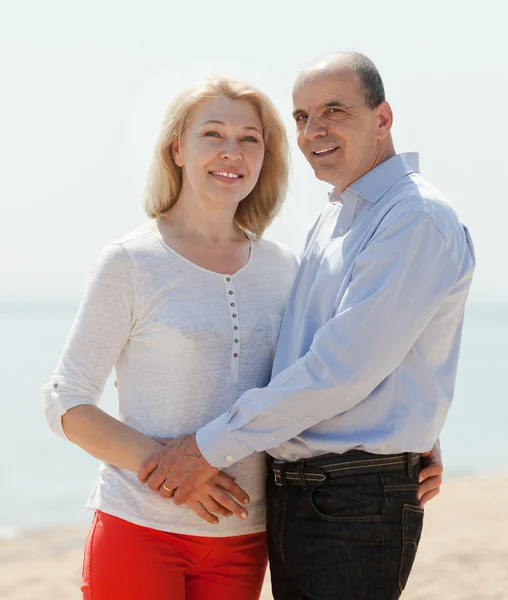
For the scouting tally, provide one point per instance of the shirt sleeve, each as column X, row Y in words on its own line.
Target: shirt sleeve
column 293, row 264
column 398, row 283
column 99, row 333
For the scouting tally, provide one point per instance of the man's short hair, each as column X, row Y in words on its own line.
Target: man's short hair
column 370, row 79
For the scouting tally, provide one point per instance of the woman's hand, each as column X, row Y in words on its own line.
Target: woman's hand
column 216, row 496
column 431, row 476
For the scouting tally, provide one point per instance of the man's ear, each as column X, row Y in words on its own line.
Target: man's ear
column 176, row 153
column 385, row 119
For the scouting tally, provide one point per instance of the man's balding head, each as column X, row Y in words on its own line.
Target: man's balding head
column 343, row 120
column 370, row 80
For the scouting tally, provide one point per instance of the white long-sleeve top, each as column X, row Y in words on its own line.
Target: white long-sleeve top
column 185, row 343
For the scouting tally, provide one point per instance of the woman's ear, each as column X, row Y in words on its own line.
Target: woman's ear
column 176, row 152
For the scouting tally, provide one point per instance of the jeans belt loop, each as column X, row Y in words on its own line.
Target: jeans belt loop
column 409, row 464
column 324, row 480
column 301, row 475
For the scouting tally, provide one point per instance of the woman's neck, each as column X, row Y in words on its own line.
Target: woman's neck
column 194, row 217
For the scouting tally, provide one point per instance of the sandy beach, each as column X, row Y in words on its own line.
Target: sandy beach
column 463, row 554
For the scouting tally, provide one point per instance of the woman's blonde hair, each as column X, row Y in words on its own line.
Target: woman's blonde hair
column 164, row 181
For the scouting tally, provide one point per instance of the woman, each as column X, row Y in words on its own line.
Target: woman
column 187, row 309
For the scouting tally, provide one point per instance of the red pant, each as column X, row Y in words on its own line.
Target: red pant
column 124, row 561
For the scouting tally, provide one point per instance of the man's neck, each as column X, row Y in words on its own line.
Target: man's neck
column 384, row 153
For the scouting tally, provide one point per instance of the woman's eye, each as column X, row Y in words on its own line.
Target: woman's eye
column 212, row 134
column 250, row 138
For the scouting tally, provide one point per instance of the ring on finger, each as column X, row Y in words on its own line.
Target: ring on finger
column 169, row 490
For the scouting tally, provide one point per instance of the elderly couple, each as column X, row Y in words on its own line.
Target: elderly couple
column 268, row 409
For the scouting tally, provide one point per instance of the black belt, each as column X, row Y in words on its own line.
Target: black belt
column 315, row 471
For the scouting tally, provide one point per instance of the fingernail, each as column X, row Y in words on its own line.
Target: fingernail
column 418, row 496
column 229, row 513
column 246, row 500
column 244, row 515
column 420, row 478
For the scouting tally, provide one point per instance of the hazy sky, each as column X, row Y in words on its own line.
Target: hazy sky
column 84, row 86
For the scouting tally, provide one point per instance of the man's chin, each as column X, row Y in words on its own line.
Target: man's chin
column 326, row 175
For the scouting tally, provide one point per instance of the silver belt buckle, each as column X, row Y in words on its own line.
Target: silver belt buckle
column 277, row 474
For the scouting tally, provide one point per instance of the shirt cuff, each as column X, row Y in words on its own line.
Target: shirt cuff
column 53, row 409
column 217, row 444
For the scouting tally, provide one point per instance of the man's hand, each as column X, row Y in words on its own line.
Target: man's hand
column 179, row 467
column 431, row 476
column 211, row 497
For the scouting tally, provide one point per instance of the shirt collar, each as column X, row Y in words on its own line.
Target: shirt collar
column 375, row 183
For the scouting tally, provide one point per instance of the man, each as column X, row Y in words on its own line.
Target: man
column 365, row 367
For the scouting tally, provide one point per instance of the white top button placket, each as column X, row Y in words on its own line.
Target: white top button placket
column 235, row 327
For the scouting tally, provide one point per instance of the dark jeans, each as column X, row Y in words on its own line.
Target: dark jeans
column 353, row 538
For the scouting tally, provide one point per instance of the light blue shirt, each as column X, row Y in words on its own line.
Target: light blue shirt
column 369, row 345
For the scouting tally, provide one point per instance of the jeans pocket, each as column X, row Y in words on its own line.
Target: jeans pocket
column 412, row 524
column 350, row 499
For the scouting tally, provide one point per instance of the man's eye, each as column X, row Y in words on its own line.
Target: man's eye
column 334, row 110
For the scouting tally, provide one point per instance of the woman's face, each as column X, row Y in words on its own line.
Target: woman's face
column 222, row 151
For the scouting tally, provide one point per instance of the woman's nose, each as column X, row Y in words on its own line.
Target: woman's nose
column 231, row 151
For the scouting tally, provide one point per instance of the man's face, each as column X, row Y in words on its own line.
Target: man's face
column 338, row 133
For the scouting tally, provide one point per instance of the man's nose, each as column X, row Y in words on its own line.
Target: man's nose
column 231, row 150
column 314, row 128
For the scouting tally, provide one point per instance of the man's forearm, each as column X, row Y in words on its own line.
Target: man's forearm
column 107, row 438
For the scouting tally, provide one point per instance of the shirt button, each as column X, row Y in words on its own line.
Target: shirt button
column 55, row 385
column 234, row 316
column 236, row 341
column 232, row 303
column 230, row 293
column 228, row 278
column 235, row 327
column 229, row 458
column 235, row 355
